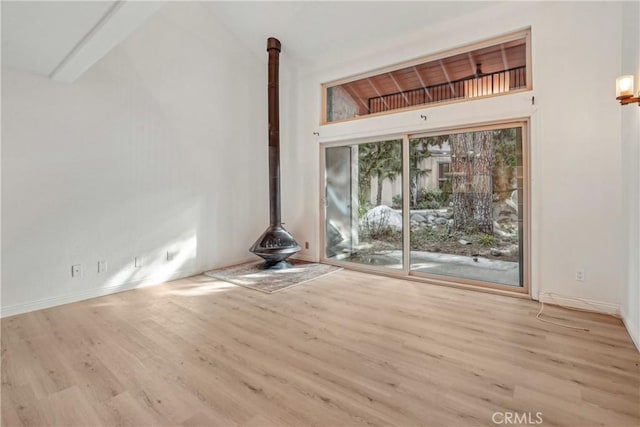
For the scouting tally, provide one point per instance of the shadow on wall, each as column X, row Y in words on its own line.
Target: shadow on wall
column 161, row 268
column 147, row 151
column 78, row 233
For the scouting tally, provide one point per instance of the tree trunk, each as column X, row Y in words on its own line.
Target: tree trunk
column 414, row 177
column 461, row 171
column 364, row 182
column 502, row 179
column 379, row 193
column 413, row 189
column 472, row 164
column 503, row 165
column 482, row 185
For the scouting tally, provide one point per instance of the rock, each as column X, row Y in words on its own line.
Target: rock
column 498, row 231
column 511, row 250
column 382, row 216
column 431, row 219
column 495, row 252
column 505, row 210
column 464, row 242
column 418, row 218
column 416, row 224
column 441, row 221
column 505, row 229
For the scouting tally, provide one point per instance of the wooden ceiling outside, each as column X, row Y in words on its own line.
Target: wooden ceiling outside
column 492, row 59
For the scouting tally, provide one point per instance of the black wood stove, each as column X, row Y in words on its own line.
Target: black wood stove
column 276, row 244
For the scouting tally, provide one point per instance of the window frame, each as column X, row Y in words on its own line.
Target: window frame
column 441, row 178
column 505, row 38
column 406, row 273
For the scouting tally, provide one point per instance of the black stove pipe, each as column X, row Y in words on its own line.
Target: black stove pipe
column 273, row 93
column 275, row 244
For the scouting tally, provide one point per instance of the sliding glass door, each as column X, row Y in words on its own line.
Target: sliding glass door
column 466, row 205
column 363, row 203
column 453, row 208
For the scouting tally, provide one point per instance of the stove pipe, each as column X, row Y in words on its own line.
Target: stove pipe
column 275, row 244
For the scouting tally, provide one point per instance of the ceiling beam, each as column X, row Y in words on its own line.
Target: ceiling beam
column 446, row 75
column 377, row 92
column 472, row 64
column 424, row 86
column 505, row 61
column 117, row 24
column 353, row 93
column 395, row 82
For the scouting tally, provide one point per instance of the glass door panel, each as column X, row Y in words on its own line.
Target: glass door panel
column 466, row 205
column 363, row 203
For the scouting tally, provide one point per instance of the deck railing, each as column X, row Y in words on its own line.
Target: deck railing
column 470, row 87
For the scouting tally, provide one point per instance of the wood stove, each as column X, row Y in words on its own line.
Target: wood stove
column 275, row 245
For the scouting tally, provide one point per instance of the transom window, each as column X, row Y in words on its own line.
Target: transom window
column 494, row 67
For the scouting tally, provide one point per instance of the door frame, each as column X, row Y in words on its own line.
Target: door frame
column 405, row 272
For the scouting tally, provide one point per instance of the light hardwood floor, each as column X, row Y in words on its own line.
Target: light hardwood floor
column 349, row 349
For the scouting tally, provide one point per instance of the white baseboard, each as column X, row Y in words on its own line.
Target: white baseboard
column 301, row 257
column 581, row 303
column 26, row 307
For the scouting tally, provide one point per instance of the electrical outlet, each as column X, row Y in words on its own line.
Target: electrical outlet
column 102, row 266
column 76, row 270
column 137, row 262
column 580, row 275
column 306, row 245
column 170, row 255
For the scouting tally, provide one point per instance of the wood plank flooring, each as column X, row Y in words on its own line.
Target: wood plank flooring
column 348, row 349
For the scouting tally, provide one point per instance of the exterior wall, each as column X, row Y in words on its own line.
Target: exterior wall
column 393, row 188
column 342, row 105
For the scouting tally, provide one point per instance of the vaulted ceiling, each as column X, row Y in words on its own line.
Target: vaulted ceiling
column 62, row 39
column 315, row 31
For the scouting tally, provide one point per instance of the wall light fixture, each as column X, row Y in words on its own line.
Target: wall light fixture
column 624, row 90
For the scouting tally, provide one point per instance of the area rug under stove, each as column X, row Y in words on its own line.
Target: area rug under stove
column 250, row 275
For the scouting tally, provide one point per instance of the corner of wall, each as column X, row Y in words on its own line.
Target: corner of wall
column 630, row 129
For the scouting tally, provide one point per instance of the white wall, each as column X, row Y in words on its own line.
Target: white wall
column 575, row 210
column 160, row 146
column 631, row 171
